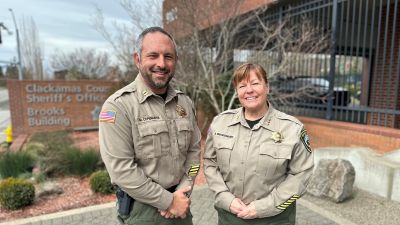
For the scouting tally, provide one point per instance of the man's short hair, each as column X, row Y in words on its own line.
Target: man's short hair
column 139, row 40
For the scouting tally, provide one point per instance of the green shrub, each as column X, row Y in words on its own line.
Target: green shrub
column 100, row 183
column 48, row 147
column 12, row 164
column 81, row 162
column 57, row 156
column 35, row 149
column 52, row 139
column 16, row 193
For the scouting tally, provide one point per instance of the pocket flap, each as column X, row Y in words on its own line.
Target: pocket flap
column 152, row 128
column 278, row 151
column 226, row 143
column 183, row 125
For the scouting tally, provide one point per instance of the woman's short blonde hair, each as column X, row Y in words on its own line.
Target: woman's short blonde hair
column 243, row 73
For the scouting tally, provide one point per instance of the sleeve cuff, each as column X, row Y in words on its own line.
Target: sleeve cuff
column 185, row 182
column 165, row 200
column 224, row 200
column 263, row 211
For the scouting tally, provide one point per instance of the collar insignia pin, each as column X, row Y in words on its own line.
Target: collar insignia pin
column 277, row 137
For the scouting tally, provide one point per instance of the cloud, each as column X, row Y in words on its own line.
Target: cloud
column 62, row 24
column 65, row 24
column 69, row 44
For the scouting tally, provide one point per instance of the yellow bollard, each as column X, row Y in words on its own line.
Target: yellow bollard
column 9, row 135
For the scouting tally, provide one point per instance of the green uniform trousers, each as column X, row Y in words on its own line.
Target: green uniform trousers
column 143, row 214
column 287, row 217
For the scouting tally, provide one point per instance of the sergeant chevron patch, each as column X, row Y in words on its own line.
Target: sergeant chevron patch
column 193, row 170
column 288, row 202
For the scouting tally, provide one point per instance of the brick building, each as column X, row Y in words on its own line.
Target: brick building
column 363, row 56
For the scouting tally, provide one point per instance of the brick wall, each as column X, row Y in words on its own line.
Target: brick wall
column 385, row 74
column 179, row 15
column 55, row 105
column 324, row 133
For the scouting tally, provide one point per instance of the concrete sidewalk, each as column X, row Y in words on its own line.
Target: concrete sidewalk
column 3, row 94
column 202, row 209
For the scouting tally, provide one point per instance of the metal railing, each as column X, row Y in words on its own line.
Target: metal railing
column 356, row 78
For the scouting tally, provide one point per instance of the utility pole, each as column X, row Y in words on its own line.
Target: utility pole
column 18, row 46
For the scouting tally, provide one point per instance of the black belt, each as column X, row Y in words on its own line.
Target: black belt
column 172, row 189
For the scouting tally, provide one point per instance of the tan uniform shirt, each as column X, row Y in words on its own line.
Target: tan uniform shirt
column 268, row 165
column 148, row 144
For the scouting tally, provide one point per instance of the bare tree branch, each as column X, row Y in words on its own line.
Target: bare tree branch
column 31, row 50
column 82, row 63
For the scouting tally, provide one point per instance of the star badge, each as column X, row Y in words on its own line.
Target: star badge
column 181, row 111
column 277, row 137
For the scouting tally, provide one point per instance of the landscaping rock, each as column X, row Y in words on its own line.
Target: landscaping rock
column 333, row 178
column 48, row 188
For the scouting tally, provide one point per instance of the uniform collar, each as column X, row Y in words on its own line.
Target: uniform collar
column 144, row 92
column 268, row 121
column 238, row 117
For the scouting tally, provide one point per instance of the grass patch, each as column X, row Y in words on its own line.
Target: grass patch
column 13, row 164
column 81, row 163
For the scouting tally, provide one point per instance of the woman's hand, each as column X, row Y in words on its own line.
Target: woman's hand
column 237, row 206
column 249, row 212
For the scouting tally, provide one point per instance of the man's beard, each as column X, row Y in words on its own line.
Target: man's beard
column 157, row 84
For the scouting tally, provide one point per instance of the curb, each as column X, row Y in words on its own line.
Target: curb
column 58, row 215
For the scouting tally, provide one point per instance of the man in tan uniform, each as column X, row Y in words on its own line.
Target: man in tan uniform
column 149, row 140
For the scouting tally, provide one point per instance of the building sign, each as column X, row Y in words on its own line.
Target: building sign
column 56, row 105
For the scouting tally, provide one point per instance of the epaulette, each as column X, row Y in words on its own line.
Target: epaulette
column 230, row 111
column 284, row 116
column 127, row 89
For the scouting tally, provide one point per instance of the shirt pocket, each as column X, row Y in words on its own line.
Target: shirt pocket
column 273, row 160
column 223, row 148
column 153, row 139
column 185, row 132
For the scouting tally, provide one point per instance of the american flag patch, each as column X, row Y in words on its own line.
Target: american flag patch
column 107, row 116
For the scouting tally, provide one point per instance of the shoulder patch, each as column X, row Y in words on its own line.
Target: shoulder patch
column 107, row 116
column 305, row 139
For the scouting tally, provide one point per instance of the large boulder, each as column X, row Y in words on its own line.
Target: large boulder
column 333, row 178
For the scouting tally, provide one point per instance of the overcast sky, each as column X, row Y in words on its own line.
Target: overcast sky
column 62, row 24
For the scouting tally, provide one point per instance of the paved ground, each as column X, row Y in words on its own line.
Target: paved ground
column 205, row 214
column 202, row 209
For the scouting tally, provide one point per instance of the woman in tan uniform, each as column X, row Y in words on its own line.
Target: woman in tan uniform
column 257, row 160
